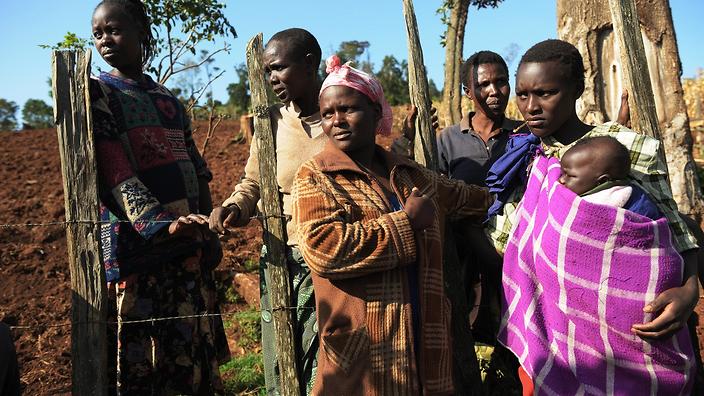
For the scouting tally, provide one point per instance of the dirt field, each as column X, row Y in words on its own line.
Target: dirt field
column 34, row 278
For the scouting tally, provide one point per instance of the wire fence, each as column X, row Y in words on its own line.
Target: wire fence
column 149, row 320
column 99, row 222
column 66, row 223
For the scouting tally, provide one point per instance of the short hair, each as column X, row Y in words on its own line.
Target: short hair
column 300, row 42
column 136, row 10
column 561, row 52
column 480, row 58
column 616, row 155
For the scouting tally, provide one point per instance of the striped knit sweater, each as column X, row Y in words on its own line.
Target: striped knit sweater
column 359, row 251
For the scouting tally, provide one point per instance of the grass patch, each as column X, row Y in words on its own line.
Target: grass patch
column 244, row 374
column 251, row 265
column 231, row 296
column 250, row 328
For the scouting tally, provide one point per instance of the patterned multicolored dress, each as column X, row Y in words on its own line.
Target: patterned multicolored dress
column 150, row 173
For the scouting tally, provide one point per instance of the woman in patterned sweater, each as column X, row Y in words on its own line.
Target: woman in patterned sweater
column 156, row 248
column 370, row 224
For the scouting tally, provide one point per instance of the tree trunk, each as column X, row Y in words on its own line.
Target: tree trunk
column 634, row 68
column 454, row 44
column 587, row 25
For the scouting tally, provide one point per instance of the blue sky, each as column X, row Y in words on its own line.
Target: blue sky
column 516, row 23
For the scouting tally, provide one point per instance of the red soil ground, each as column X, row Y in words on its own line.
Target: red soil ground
column 34, row 277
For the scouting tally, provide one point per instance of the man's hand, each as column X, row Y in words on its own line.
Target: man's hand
column 222, row 217
column 420, row 210
column 408, row 128
column 624, row 112
column 185, row 225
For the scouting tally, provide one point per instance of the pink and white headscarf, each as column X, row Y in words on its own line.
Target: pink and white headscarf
column 348, row 76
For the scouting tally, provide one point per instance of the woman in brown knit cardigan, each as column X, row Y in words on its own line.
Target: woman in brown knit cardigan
column 370, row 224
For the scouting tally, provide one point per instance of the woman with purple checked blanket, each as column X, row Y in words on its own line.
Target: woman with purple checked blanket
column 594, row 278
column 583, row 273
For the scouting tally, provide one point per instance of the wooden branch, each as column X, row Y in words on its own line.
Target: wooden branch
column 170, row 70
column 201, row 91
column 634, row 64
column 274, row 230
column 454, row 44
column 183, row 45
column 70, row 76
column 213, row 123
column 425, row 147
column 466, row 375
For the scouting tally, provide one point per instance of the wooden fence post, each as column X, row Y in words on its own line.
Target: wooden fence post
column 273, row 224
column 466, row 377
column 70, row 76
column 624, row 18
column 425, row 146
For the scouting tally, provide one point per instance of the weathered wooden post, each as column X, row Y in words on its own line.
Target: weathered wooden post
column 70, row 75
column 624, row 18
column 273, row 223
column 467, row 380
column 425, row 146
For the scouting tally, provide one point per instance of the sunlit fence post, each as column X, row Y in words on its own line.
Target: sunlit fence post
column 71, row 73
column 273, row 223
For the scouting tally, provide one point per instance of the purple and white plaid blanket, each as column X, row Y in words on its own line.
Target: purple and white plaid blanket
column 576, row 276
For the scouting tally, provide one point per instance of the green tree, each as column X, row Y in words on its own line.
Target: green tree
column 180, row 27
column 453, row 13
column 393, row 77
column 70, row 42
column 433, row 91
column 352, row 50
column 37, row 114
column 239, row 98
column 8, row 115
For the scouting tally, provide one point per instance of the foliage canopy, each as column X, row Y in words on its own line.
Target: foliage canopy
column 8, row 115
column 445, row 11
column 37, row 114
column 179, row 26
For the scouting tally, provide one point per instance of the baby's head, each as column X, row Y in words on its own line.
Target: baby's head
column 593, row 161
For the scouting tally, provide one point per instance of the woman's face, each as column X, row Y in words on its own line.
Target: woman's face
column 290, row 78
column 349, row 118
column 117, row 38
column 545, row 97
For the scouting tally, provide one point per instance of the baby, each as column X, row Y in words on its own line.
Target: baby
column 596, row 168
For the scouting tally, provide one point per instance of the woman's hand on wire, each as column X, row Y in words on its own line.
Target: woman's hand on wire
column 420, row 210
column 185, row 225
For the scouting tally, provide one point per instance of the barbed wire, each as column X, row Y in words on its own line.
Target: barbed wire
column 152, row 320
column 149, row 320
column 98, row 222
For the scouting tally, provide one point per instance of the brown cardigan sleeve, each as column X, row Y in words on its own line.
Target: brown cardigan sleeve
column 459, row 199
column 336, row 248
